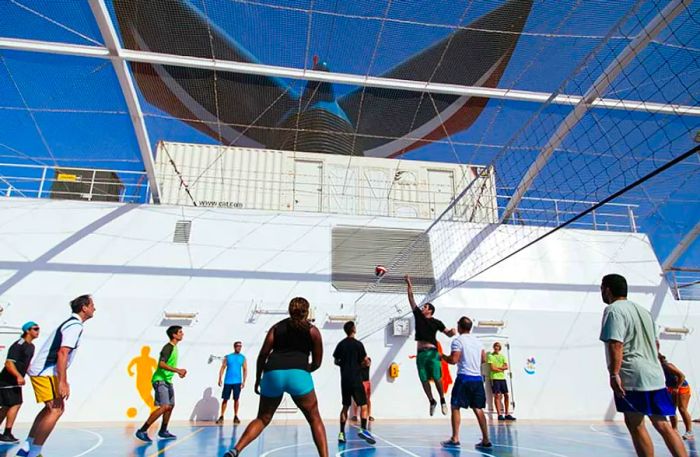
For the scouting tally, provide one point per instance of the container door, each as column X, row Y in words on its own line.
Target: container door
column 441, row 189
column 308, row 185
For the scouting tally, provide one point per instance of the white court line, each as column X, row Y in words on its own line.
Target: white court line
column 100, row 440
column 396, row 446
column 626, row 435
column 531, row 449
column 272, row 451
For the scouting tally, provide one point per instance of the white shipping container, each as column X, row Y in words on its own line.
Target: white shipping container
column 234, row 177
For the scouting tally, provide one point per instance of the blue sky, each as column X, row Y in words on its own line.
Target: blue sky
column 77, row 115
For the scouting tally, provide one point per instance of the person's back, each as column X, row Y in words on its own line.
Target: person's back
column 469, row 363
column 633, row 326
column 351, row 353
column 292, row 346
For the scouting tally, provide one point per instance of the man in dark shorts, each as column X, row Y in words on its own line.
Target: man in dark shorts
column 636, row 377
column 350, row 356
column 162, row 380
column 499, row 386
column 232, row 365
column 428, row 359
column 468, row 390
column 12, row 378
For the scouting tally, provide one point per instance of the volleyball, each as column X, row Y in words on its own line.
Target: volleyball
column 379, row 271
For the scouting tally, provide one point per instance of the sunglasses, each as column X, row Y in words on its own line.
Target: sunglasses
column 36, row 329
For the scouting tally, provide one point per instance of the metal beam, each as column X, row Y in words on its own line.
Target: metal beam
column 109, row 35
column 607, row 77
column 681, row 247
column 344, row 78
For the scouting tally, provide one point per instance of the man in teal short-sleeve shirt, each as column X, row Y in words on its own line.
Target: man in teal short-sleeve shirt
column 636, row 377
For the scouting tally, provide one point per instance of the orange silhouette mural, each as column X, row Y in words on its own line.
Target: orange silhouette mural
column 145, row 366
column 445, row 368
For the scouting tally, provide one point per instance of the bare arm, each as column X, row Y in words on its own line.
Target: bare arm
column 316, row 350
column 409, row 291
column 679, row 374
column 265, row 351
column 62, row 371
column 12, row 369
column 222, row 370
column 483, row 356
column 614, row 349
column 450, row 332
column 245, row 372
column 452, row 358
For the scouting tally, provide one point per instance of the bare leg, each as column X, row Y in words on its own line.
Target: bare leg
column 674, row 443
column 266, row 410
column 3, row 413
column 682, row 408
column 11, row 416
column 224, row 404
column 640, row 437
column 481, row 418
column 506, row 403
column 456, row 421
column 235, row 408
column 497, row 403
column 343, row 418
column 154, row 416
column 309, row 406
column 166, row 417
column 438, row 386
column 38, row 420
column 42, row 430
column 676, row 400
column 428, row 392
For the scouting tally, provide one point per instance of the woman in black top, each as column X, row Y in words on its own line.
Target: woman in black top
column 283, row 366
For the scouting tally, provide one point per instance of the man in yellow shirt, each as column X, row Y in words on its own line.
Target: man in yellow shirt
column 499, row 385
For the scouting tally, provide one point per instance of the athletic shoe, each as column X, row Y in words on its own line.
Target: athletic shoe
column 231, row 453
column 353, row 418
column 22, row 453
column 433, row 405
column 341, row 438
column 509, row 417
column 371, row 419
column 501, row 417
column 140, row 434
column 443, row 407
column 236, row 420
column 8, row 438
column 484, row 445
column 220, row 420
column 166, row 435
column 367, row 436
column 450, row 443
column 688, row 436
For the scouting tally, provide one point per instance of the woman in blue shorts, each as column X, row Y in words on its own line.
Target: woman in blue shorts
column 283, row 366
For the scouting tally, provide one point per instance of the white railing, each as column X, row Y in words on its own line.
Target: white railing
column 73, row 183
column 685, row 283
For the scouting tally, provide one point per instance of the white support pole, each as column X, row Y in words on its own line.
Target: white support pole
column 607, row 77
column 109, row 35
column 681, row 247
column 342, row 78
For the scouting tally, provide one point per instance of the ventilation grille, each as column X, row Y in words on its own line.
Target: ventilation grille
column 182, row 232
column 358, row 250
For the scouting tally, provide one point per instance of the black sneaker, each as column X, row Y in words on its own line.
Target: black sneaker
column 236, row 420
column 8, row 438
column 481, row 444
column 220, row 420
column 231, row 453
column 166, row 435
column 509, row 417
column 501, row 417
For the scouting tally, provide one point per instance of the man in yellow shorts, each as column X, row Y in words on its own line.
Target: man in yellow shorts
column 48, row 372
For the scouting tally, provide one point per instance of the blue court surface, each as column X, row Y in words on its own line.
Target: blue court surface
column 292, row 438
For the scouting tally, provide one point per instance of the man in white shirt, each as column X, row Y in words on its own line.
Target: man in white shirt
column 468, row 391
column 48, row 372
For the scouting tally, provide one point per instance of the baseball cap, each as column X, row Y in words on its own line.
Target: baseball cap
column 28, row 325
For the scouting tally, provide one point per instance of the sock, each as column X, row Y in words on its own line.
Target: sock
column 163, row 428
column 8, row 431
column 34, row 450
column 363, row 423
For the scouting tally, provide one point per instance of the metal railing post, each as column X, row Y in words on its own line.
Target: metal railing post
column 92, row 184
column 633, row 223
column 595, row 221
column 556, row 212
column 41, row 184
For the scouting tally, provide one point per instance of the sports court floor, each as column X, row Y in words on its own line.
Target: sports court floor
column 282, row 438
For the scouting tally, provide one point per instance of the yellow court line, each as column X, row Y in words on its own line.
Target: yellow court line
column 177, row 443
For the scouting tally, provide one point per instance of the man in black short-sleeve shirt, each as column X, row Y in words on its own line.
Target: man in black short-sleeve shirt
column 12, row 378
column 427, row 359
column 350, row 356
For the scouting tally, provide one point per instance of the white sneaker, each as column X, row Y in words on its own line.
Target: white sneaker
column 688, row 436
column 443, row 407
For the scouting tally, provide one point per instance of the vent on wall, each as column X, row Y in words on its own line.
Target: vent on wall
column 356, row 251
column 182, row 232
